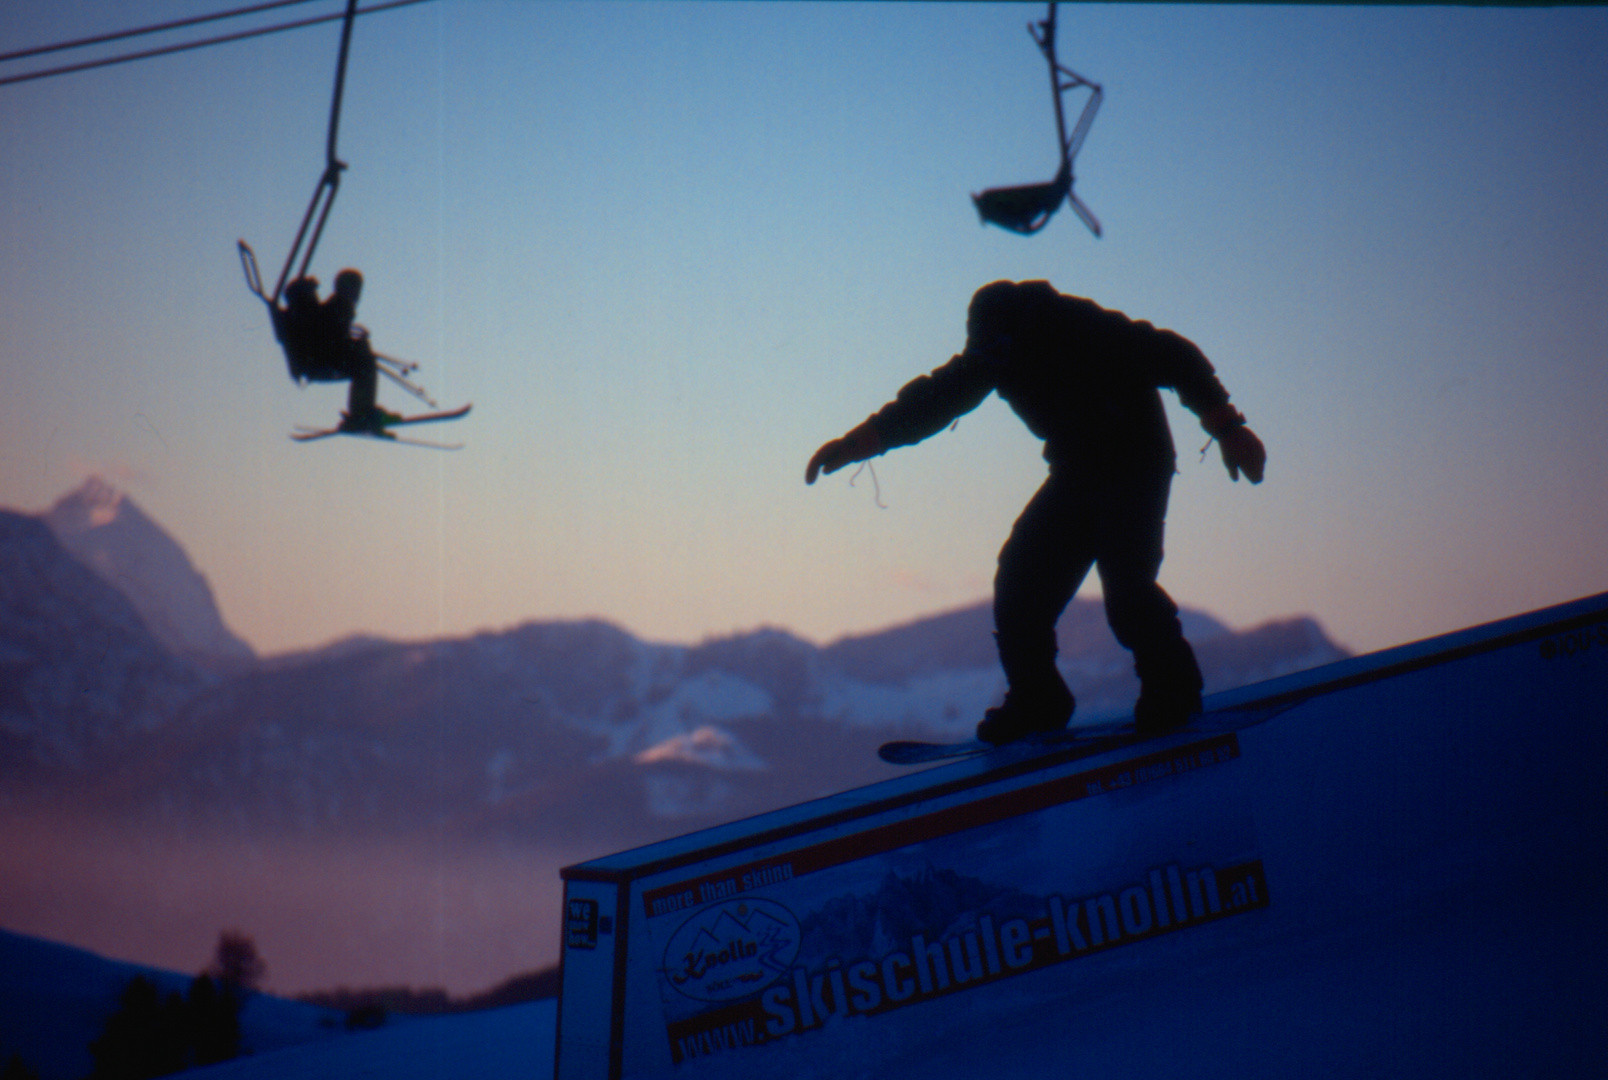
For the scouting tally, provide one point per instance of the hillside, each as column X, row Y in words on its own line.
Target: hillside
column 54, row 999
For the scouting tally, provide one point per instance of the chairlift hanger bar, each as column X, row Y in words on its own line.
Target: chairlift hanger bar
column 1045, row 36
column 329, row 183
column 1063, row 79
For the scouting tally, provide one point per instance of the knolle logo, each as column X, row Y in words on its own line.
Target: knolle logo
column 731, row 950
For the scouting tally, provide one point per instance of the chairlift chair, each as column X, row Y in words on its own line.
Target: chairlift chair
column 1027, row 208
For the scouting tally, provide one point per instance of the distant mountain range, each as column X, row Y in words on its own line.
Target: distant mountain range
column 395, row 813
column 122, row 689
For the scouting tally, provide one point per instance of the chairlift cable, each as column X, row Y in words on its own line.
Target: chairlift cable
column 202, row 43
column 101, row 39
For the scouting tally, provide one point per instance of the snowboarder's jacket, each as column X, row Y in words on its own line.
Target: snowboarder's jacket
column 1084, row 379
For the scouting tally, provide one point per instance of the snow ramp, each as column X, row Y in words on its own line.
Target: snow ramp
column 1395, row 865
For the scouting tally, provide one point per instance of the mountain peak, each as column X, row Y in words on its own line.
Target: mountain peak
column 93, row 505
column 106, row 530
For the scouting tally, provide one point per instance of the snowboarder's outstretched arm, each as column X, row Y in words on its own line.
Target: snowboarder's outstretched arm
column 1242, row 450
column 857, row 445
column 924, row 406
column 1177, row 362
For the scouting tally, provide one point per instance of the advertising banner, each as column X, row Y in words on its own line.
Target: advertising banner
column 1317, row 877
column 959, row 900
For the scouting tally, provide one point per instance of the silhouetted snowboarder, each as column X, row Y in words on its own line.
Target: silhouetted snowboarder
column 322, row 343
column 1086, row 381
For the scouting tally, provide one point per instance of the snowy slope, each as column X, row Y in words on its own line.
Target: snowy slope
column 515, row 1043
column 54, row 999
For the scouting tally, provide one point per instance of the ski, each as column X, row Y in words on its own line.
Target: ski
column 426, row 443
column 432, row 417
column 308, row 434
column 311, row 434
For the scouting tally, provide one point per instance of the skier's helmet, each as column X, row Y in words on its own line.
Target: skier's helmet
column 301, row 290
column 349, row 285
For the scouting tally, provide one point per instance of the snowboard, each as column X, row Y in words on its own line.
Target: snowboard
column 1094, row 739
column 305, row 434
column 1085, row 743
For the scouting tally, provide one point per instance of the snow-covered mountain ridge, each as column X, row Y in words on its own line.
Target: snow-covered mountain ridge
column 574, row 729
column 315, row 798
column 81, row 676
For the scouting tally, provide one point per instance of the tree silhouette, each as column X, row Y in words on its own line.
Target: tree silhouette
column 214, row 1015
column 152, row 1036
column 146, row 1037
column 236, row 962
column 16, row 1069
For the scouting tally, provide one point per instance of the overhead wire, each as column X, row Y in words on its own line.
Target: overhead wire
column 176, row 24
column 221, row 39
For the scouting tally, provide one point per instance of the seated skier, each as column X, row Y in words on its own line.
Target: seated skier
column 1086, row 381
column 322, row 344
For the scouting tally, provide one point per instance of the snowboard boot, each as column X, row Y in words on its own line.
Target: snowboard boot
column 1170, row 684
column 1022, row 715
column 1036, row 697
column 1158, row 712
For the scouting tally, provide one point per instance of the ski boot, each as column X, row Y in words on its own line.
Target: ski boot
column 373, row 422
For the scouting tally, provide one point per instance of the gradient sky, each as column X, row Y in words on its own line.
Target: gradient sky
column 667, row 249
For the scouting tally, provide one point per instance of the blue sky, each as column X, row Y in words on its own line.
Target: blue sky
column 667, row 249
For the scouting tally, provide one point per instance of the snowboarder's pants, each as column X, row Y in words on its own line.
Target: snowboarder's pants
column 1070, row 525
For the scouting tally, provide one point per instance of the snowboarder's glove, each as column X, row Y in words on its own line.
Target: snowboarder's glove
column 1241, row 448
column 861, row 443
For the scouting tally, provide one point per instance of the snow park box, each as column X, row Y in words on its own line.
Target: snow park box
column 1395, row 865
